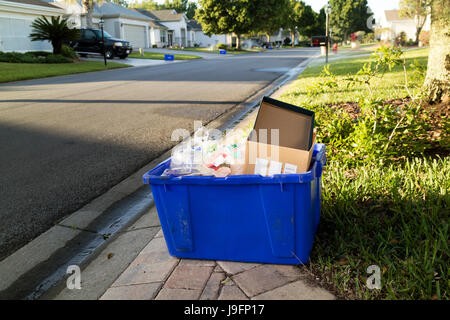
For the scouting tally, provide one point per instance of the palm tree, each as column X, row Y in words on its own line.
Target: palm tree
column 56, row 31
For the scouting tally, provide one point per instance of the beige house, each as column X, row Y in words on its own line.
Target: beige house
column 391, row 25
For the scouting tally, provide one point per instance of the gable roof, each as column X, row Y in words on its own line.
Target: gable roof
column 109, row 9
column 35, row 3
column 394, row 15
column 153, row 19
column 194, row 25
column 167, row 15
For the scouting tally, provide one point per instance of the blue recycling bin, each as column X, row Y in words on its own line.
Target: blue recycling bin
column 246, row 218
column 169, row 57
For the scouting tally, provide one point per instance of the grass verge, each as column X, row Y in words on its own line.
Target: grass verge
column 160, row 56
column 24, row 71
column 389, row 209
column 389, row 87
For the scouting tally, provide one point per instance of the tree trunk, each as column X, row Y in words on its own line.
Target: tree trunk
column 418, row 31
column 293, row 39
column 437, row 82
column 88, row 6
column 57, row 45
column 238, row 42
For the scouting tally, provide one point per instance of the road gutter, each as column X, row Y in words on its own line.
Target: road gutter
column 78, row 239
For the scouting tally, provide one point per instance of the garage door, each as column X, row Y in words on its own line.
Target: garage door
column 14, row 35
column 134, row 34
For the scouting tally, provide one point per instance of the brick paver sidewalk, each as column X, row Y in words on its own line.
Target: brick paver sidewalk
column 154, row 274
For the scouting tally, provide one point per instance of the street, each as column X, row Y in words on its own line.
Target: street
column 66, row 140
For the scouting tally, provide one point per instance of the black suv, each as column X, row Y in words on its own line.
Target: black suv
column 90, row 42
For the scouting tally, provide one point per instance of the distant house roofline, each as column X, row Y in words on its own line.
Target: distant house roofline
column 394, row 15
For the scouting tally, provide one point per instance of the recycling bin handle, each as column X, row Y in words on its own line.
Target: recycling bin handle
column 321, row 160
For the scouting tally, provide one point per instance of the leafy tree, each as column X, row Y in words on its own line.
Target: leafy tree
column 191, row 9
column 319, row 26
column 417, row 10
column 122, row 3
column 300, row 18
column 348, row 16
column 437, row 80
column 145, row 4
column 220, row 17
column 54, row 30
column 271, row 15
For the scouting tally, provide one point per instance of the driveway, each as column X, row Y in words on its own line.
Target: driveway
column 66, row 140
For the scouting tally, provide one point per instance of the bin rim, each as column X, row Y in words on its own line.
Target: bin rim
column 318, row 162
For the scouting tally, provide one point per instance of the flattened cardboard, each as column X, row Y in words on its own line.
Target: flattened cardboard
column 295, row 124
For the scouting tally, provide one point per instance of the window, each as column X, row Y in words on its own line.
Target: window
column 89, row 35
column 163, row 36
column 99, row 34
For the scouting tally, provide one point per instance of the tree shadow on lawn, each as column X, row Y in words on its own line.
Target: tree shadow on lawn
column 407, row 237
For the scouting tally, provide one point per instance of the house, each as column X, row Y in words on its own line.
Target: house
column 196, row 37
column 119, row 21
column 174, row 30
column 391, row 25
column 16, row 17
column 158, row 31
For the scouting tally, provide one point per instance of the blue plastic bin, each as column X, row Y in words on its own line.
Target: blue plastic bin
column 245, row 218
column 169, row 57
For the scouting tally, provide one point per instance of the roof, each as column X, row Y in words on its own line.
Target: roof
column 394, row 15
column 194, row 25
column 167, row 15
column 36, row 3
column 109, row 9
column 154, row 20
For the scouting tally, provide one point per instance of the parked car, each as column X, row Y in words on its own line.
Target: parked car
column 90, row 42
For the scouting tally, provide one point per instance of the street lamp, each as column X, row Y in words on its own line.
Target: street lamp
column 327, row 13
column 101, row 23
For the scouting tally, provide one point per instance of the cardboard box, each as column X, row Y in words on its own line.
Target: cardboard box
column 284, row 134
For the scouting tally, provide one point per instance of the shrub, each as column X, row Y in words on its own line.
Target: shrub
column 68, row 52
column 221, row 46
column 154, row 46
column 401, row 39
column 57, row 58
column 368, row 38
column 55, row 30
column 33, row 57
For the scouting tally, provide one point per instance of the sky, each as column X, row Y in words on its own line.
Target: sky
column 377, row 6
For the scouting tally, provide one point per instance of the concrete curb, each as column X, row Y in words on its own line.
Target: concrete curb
column 88, row 230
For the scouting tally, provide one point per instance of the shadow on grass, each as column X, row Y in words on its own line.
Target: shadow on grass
column 395, row 218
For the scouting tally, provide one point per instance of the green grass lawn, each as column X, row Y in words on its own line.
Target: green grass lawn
column 216, row 51
column 24, row 71
column 385, row 197
column 160, row 56
column 389, row 87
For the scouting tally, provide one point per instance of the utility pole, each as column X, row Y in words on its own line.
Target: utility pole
column 327, row 12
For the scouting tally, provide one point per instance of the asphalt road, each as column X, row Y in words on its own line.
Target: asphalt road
column 66, row 140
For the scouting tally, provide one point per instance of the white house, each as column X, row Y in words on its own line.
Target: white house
column 174, row 30
column 392, row 25
column 16, row 17
column 120, row 22
column 197, row 37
